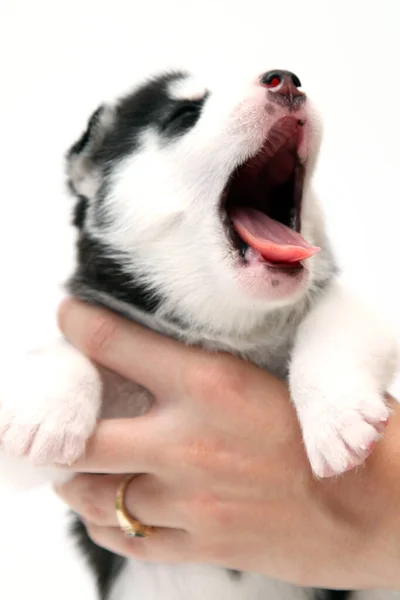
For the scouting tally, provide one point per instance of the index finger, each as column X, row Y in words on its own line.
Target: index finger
column 123, row 446
column 139, row 354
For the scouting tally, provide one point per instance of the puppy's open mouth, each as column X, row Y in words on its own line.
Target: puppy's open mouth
column 262, row 201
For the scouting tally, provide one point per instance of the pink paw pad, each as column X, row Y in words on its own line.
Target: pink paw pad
column 381, row 426
column 362, row 456
column 327, row 472
column 371, row 446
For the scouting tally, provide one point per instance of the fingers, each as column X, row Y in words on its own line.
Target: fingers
column 163, row 546
column 146, row 499
column 93, row 498
column 136, row 353
column 124, row 446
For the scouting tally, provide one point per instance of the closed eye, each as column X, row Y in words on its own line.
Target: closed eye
column 182, row 118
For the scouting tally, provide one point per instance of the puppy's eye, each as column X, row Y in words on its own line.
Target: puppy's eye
column 182, row 118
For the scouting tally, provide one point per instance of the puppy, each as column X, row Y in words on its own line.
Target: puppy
column 196, row 217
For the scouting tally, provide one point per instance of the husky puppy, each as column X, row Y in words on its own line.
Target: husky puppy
column 196, row 217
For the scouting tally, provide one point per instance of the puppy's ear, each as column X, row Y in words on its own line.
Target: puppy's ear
column 83, row 168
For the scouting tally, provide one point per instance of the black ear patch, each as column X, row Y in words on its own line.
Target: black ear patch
column 82, row 167
column 114, row 132
column 90, row 132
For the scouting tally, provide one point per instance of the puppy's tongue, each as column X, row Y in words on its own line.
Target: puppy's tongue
column 274, row 241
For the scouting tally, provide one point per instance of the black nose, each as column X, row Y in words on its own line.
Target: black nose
column 274, row 78
column 283, row 89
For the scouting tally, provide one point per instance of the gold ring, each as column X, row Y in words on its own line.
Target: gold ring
column 130, row 526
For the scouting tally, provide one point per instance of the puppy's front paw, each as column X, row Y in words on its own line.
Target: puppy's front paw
column 58, row 437
column 48, row 409
column 339, row 434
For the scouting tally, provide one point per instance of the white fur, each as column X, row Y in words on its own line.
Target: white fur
column 163, row 214
column 173, row 582
column 342, row 364
column 49, row 405
column 188, row 89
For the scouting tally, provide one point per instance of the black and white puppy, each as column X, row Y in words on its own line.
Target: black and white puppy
column 196, row 218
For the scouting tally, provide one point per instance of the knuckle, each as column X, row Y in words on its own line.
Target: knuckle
column 202, row 454
column 216, row 377
column 98, row 334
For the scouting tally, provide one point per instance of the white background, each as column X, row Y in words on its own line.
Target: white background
column 58, row 60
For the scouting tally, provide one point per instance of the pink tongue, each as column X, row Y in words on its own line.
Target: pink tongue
column 275, row 242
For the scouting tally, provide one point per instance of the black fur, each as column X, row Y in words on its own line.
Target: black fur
column 106, row 565
column 150, row 105
column 98, row 272
column 80, row 211
column 332, row 594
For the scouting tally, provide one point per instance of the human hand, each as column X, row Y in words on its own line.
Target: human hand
column 222, row 473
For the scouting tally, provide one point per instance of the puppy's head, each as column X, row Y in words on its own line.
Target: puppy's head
column 203, row 193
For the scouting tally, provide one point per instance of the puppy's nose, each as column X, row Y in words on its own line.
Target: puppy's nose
column 283, row 88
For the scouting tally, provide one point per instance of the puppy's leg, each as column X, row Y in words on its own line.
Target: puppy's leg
column 342, row 364
column 49, row 404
